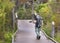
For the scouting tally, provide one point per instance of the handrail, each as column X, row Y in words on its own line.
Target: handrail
column 48, row 36
column 13, row 39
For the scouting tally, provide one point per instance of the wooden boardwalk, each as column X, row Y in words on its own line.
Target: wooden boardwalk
column 26, row 33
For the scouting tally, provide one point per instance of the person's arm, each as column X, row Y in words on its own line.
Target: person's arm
column 34, row 18
column 42, row 22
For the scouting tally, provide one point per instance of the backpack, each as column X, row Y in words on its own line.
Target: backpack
column 39, row 20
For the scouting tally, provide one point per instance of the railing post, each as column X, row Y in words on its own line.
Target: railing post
column 53, row 29
column 12, row 39
column 16, row 15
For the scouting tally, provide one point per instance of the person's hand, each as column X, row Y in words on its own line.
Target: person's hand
column 34, row 21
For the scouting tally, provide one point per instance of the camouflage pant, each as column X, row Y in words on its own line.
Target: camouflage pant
column 37, row 30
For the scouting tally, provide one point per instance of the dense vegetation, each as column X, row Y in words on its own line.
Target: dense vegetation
column 6, row 21
column 24, row 13
column 49, row 13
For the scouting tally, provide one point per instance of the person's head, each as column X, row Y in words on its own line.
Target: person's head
column 35, row 13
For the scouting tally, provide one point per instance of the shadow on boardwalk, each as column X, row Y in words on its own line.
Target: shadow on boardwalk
column 26, row 33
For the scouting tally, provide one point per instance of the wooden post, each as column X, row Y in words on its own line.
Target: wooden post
column 32, row 6
column 53, row 29
column 32, row 9
column 13, row 14
column 16, row 15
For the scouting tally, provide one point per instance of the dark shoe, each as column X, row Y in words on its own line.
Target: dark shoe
column 38, row 37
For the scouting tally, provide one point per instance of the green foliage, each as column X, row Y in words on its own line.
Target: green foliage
column 56, row 9
column 6, row 5
column 47, row 28
column 5, row 9
column 50, row 11
column 45, row 11
column 21, row 13
column 8, row 37
column 24, row 13
column 57, row 37
column 6, row 26
column 1, row 41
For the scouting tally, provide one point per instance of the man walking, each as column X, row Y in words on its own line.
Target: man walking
column 38, row 24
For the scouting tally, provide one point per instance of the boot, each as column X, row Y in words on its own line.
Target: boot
column 38, row 37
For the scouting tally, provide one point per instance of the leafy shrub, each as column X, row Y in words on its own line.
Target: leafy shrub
column 8, row 37
column 6, row 22
column 47, row 28
column 57, row 37
column 24, row 13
